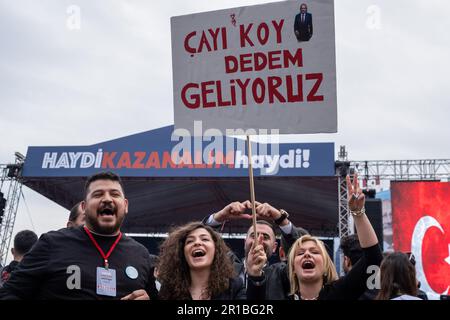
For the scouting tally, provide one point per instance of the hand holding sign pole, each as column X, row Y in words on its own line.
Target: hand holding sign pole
column 243, row 69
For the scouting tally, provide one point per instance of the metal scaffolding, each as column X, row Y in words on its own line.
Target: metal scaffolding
column 403, row 169
column 342, row 167
column 345, row 219
column 378, row 170
column 11, row 183
column 426, row 170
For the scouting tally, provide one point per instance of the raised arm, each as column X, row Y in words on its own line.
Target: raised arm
column 289, row 232
column 366, row 234
column 233, row 211
column 354, row 284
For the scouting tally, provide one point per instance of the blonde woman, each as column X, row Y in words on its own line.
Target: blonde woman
column 312, row 274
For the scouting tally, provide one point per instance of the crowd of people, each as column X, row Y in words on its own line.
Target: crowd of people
column 92, row 259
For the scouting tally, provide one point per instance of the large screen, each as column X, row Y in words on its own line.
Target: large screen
column 421, row 225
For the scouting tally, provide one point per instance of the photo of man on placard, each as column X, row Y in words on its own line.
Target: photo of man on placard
column 303, row 26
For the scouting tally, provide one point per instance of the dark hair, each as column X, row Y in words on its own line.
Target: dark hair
column 267, row 223
column 397, row 277
column 174, row 271
column 24, row 241
column 351, row 248
column 108, row 175
column 154, row 260
column 154, row 263
column 74, row 212
column 283, row 243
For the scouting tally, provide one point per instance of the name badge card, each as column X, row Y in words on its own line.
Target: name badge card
column 106, row 282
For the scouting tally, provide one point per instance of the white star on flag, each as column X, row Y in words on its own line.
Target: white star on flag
column 448, row 258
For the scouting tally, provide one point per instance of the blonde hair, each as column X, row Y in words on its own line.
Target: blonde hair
column 330, row 273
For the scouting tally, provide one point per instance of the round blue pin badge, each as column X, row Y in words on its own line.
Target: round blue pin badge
column 131, row 272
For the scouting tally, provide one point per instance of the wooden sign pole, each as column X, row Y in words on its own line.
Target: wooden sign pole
column 252, row 187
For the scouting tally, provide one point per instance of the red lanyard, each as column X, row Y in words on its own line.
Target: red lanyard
column 105, row 257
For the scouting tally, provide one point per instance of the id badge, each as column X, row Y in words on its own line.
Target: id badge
column 106, row 282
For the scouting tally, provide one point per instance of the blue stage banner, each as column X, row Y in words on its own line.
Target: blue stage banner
column 157, row 153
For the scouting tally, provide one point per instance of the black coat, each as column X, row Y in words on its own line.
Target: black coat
column 276, row 282
column 349, row 287
column 305, row 29
column 49, row 270
column 236, row 291
column 273, row 285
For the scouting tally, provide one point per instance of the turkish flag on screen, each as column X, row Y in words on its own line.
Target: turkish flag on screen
column 421, row 224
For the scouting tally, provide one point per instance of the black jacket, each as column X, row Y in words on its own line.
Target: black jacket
column 50, row 269
column 349, row 287
column 354, row 284
column 5, row 272
column 276, row 279
column 275, row 282
column 236, row 291
column 304, row 29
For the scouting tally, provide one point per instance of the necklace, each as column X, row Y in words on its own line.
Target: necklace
column 300, row 297
column 303, row 298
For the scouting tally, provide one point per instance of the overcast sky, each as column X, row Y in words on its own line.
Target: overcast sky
column 113, row 77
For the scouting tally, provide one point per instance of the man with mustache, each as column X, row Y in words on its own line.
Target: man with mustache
column 277, row 287
column 94, row 261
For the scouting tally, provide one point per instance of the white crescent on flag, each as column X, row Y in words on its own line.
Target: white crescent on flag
column 420, row 230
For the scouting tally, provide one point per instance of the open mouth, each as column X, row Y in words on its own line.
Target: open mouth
column 308, row 264
column 198, row 253
column 106, row 212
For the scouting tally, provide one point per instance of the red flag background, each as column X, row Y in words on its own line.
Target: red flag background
column 421, row 224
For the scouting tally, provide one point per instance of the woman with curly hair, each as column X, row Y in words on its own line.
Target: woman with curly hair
column 195, row 264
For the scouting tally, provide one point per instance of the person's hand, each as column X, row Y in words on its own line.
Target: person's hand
column 140, row 294
column 256, row 258
column 355, row 195
column 266, row 212
column 233, row 211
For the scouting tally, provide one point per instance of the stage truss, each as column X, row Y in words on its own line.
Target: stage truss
column 369, row 170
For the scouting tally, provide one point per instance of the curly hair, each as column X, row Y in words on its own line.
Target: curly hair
column 174, row 273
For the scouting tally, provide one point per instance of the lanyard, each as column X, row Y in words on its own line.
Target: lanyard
column 105, row 257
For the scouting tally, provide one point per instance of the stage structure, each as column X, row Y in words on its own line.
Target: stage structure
column 10, row 190
column 166, row 194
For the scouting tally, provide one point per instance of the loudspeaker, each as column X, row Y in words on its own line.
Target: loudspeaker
column 374, row 211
